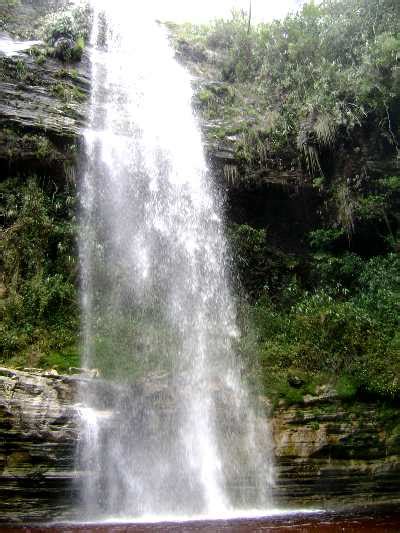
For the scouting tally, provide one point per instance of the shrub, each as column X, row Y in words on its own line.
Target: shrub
column 325, row 239
column 67, row 31
column 350, row 337
column 39, row 307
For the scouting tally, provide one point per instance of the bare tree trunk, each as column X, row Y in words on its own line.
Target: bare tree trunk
column 249, row 25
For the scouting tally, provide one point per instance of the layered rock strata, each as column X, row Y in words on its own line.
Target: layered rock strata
column 38, row 435
column 328, row 452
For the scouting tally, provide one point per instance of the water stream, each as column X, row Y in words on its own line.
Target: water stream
column 167, row 430
column 11, row 47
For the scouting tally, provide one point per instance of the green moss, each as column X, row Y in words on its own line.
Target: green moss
column 62, row 360
column 67, row 73
column 68, row 92
column 346, row 388
column 40, row 60
column 77, row 50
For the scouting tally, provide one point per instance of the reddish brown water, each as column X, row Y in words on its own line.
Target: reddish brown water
column 364, row 520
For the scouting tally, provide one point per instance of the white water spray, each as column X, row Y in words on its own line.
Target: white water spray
column 158, row 316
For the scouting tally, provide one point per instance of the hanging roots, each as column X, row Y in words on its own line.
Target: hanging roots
column 346, row 206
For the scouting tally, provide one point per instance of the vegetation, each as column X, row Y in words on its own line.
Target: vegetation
column 64, row 29
column 298, row 92
column 319, row 72
column 66, row 32
column 38, row 297
column 316, row 94
column 344, row 330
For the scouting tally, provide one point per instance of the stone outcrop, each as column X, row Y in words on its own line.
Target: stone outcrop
column 328, row 452
column 268, row 185
column 332, row 452
column 38, row 435
column 42, row 111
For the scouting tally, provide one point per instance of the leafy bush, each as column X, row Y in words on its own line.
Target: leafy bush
column 67, row 31
column 325, row 239
column 379, row 290
column 350, row 337
column 325, row 71
column 260, row 268
column 72, row 24
column 335, row 272
column 38, row 307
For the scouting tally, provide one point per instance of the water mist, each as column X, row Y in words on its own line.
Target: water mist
column 167, row 429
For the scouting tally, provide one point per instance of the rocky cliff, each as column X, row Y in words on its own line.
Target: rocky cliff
column 333, row 452
column 328, row 452
column 42, row 112
column 38, row 435
column 270, row 185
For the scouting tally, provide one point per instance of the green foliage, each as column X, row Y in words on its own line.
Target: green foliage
column 62, row 360
column 67, row 31
column 212, row 97
column 325, row 71
column 261, row 268
column 346, row 388
column 346, row 207
column 379, row 290
column 68, row 92
column 249, row 249
column 349, row 336
column 390, row 183
column 77, row 50
column 336, row 272
column 371, row 207
column 324, row 239
column 38, row 305
column 20, row 69
column 39, row 146
column 72, row 24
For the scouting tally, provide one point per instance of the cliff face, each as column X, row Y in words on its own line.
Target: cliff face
column 42, row 109
column 327, row 452
column 41, row 115
column 273, row 187
column 38, row 435
column 331, row 452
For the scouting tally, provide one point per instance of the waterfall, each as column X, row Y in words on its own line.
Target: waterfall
column 167, row 428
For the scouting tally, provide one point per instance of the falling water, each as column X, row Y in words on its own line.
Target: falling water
column 167, row 428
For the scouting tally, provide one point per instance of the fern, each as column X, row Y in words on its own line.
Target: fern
column 325, row 130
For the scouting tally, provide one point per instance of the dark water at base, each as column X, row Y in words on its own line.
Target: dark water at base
column 352, row 521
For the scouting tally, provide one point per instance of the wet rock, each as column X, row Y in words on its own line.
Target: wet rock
column 295, row 381
column 38, row 434
column 63, row 48
column 42, row 112
column 85, row 372
column 332, row 452
column 327, row 451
